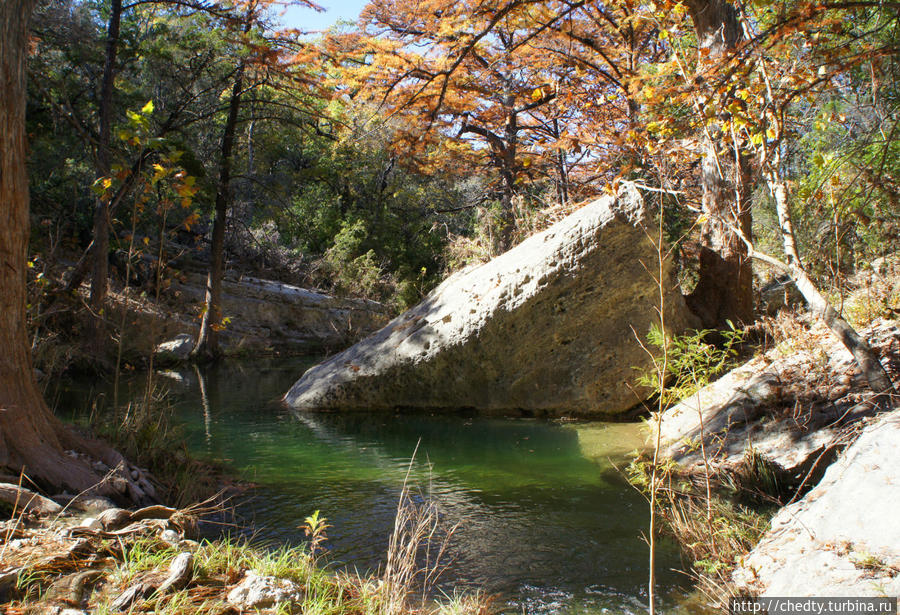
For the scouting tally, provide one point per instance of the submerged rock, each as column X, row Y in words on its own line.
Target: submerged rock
column 550, row 327
column 843, row 538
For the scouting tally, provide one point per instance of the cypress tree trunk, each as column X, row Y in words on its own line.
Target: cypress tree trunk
column 32, row 440
column 725, row 288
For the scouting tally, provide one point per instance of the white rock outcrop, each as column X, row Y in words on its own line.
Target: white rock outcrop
column 791, row 406
column 843, row 537
column 550, row 327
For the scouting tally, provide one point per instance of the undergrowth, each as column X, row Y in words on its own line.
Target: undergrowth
column 713, row 529
column 142, row 559
column 143, row 431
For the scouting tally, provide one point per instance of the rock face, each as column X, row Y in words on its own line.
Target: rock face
column 548, row 328
column 791, row 405
column 843, row 538
column 271, row 315
column 263, row 317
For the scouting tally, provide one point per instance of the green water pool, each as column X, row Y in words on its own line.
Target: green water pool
column 546, row 521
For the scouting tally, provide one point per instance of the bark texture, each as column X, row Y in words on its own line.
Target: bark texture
column 32, row 440
column 725, row 288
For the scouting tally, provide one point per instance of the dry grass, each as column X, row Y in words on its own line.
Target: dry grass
column 416, row 550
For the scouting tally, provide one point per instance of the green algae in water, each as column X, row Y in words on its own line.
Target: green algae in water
column 546, row 521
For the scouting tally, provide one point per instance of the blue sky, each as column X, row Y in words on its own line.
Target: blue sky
column 308, row 19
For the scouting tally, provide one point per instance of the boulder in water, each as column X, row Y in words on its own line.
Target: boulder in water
column 551, row 327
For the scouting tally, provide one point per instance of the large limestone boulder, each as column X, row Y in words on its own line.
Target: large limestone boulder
column 843, row 538
column 550, row 327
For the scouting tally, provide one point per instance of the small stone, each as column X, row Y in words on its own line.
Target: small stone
column 114, row 519
column 91, row 523
column 255, row 592
column 170, row 536
column 176, row 350
column 101, row 467
column 135, row 475
column 91, row 504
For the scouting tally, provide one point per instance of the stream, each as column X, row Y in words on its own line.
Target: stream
column 546, row 521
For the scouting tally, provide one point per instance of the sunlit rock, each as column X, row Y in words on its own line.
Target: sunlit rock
column 551, row 327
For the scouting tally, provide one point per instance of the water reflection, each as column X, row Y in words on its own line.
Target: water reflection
column 545, row 519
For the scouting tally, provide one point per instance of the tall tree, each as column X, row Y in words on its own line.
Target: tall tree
column 207, row 346
column 100, row 253
column 32, row 440
column 464, row 69
column 268, row 56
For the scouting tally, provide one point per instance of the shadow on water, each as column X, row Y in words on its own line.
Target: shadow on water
column 545, row 519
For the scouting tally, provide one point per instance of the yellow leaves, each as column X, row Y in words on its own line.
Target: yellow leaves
column 537, row 94
column 159, row 171
column 148, row 108
column 191, row 220
column 186, row 187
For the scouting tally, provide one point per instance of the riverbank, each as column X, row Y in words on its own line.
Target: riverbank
column 88, row 558
column 262, row 317
column 795, row 447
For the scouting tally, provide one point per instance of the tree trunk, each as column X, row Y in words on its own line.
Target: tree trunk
column 507, row 162
column 725, row 288
column 100, row 252
column 207, row 347
column 32, row 440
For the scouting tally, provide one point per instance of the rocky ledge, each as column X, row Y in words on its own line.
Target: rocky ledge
column 843, row 538
column 794, row 405
column 263, row 316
